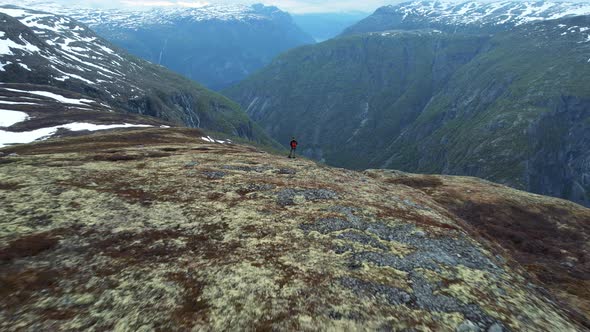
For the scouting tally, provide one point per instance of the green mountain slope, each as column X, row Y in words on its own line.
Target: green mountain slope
column 517, row 114
column 348, row 97
column 512, row 107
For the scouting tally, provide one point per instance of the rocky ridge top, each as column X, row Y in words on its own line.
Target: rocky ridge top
column 168, row 229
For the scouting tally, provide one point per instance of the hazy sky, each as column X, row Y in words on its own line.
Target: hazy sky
column 293, row 6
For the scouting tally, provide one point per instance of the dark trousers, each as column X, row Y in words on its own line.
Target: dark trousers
column 292, row 154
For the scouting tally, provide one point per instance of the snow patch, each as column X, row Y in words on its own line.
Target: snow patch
column 70, row 76
column 55, row 96
column 79, row 126
column 106, row 49
column 212, row 140
column 16, row 13
column 4, row 64
column 25, row 66
column 9, row 137
column 8, row 118
column 32, row 21
column 6, row 102
column 7, row 45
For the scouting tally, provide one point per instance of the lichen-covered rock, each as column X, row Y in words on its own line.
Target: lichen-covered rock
column 286, row 171
column 91, row 244
column 467, row 326
column 214, row 175
column 288, row 196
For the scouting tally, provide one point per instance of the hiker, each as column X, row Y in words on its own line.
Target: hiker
column 293, row 147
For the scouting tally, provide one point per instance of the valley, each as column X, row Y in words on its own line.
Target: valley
column 509, row 106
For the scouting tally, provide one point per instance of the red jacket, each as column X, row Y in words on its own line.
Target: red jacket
column 293, row 144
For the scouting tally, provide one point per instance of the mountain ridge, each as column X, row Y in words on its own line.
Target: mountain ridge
column 320, row 247
column 466, row 17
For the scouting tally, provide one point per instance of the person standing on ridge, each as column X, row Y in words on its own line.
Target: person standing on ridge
column 293, row 145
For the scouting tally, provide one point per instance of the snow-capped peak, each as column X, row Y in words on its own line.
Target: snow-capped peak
column 162, row 16
column 489, row 13
column 71, row 50
column 128, row 17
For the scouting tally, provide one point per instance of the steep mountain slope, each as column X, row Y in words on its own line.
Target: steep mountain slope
column 216, row 45
column 346, row 98
column 510, row 107
column 466, row 17
column 42, row 49
column 180, row 233
column 39, row 112
column 517, row 114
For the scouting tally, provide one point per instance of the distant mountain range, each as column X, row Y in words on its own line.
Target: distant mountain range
column 216, row 45
column 499, row 91
column 56, row 70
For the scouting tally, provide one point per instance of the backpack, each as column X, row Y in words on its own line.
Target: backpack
column 293, row 144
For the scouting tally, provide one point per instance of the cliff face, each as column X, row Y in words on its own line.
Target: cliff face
column 513, row 115
column 560, row 166
column 163, row 229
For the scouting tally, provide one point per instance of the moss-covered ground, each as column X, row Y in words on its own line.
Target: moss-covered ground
column 159, row 230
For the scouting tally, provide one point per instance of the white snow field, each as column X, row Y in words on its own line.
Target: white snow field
column 10, row 138
column 212, row 140
column 8, row 118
